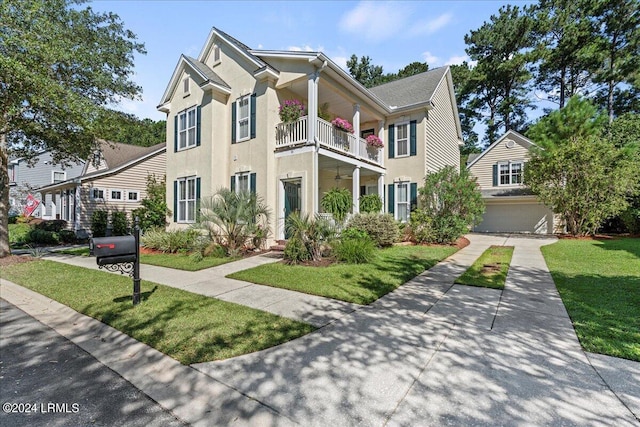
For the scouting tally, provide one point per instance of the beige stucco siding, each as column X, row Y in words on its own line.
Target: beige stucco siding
column 408, row 168
column 441, row 137
column 133, row 178
column 483, row 168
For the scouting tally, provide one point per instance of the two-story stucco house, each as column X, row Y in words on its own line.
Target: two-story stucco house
column 224, row 130
column 510, row 205
column 25, row 176
column 115, row 178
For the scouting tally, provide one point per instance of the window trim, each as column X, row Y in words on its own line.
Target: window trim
column 186, row 86
column 510, row 173
column 92, row 191
column 186, row 200
column 128, row 192
column 187, row 128
column 237, row 183
column 397, row 202
column 110, row 193
column 397, row 139
column 53, row 176
column 239, row 101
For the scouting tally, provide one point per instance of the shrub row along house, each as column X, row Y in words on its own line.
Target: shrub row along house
column 224, row 129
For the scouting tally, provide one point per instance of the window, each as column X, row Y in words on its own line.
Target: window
column 187, row 129
column 115, row 194
column 216, row 54
column 402, row 207
column 242, row 182
column 510, row 173
column 57, row 176
column 133, row 196
column 12, row 174
column 185, row 85
column 97, row 194
column 402, row 140
column 186, row 200
column 243, row 117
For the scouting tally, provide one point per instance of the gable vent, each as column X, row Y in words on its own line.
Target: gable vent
column 509, row 143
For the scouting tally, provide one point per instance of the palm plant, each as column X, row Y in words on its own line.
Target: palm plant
column 312, row 232
column 234, row 219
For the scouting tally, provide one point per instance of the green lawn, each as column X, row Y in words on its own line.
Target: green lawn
column 178, row 261
column 188, row 327
column 357, row 283
column 490, row 269
column 599, row 282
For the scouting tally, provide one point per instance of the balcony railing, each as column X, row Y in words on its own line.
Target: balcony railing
column 296, row 133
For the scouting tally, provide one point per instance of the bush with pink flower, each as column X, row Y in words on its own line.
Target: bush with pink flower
column 291, row 110
column 342, row 124
column 374, row 141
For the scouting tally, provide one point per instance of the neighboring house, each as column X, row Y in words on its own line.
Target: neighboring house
column 510, row 205
column 26, row 176
column 115, row 178
column 224, row 130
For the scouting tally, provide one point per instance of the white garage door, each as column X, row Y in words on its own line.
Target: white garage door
column 516, row 218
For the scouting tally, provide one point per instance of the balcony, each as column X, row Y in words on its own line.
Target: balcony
column 296, row 134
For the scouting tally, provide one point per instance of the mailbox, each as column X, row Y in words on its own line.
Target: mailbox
column 114, row 250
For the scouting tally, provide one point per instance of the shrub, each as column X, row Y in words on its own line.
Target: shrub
column 154, row 211
column 13, row 219
column 355, row 248
column 370, row 203
column 313, row 233
column 19, row 233
column 337, row 201
column 171, row 241
column 99, row 221
column 214, row 250
column 66, row 236
column 449, row 203
column 295, row 251
column 42, row 237
column 381, row 228
column 119, row 223
column 54, row 225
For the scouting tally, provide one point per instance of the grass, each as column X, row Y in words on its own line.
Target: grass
column 599, row 282
column 490, row 269
column 357, row 283
column 177, row 261
column 188, row 327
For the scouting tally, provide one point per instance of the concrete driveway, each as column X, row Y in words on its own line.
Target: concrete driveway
column 430, row 353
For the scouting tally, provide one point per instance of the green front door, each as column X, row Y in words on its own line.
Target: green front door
column 292, row 200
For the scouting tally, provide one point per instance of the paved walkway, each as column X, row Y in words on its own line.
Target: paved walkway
column 212, row 282
column 429, row 353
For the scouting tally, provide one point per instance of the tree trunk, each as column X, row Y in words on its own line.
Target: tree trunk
column 4, row 198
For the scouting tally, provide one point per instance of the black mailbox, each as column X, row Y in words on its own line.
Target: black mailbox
column 114, row 250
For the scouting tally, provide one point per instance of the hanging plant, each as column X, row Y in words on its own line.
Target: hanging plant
column 291, row 110
column 374, row 142
column 342, row 124
column 337, row 201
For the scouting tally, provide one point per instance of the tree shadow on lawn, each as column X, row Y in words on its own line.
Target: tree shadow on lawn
column 628, row 244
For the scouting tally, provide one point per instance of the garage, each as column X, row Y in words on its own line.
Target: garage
column 516, row 217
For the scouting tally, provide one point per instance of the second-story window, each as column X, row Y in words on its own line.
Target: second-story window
column 187, row 129
column 243, row 117
column 510, row 173
column 402, row 140
column 58, row 176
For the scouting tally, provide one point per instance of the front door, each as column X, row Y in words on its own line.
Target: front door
column 292, row 200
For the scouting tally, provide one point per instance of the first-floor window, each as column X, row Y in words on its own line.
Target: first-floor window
column 97, row 194
column 115, row 195
column 242, row 182
column 402, row 207
column 187, row 199
column 133, row 196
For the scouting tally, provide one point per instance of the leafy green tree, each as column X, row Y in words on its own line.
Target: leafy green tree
column 117, row 126
column 364, row 71
column 154, row 210
column 467, row 107
column 233, row 219
column 619, row 49
column 501, row 78
column 578, row 172
column 448, row 204
column 59, row 65
column 566, row 49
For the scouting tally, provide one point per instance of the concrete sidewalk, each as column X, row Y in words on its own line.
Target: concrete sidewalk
column 429, row 353
column 211, row 282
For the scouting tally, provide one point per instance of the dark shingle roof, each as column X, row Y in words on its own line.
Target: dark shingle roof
column 206, row 71
column 411, row 90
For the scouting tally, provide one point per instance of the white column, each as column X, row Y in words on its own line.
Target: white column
column 381, row 190
column 356, row 128
column 312, row 119
column 76, row 222
column 356, row 190
column 381, row 136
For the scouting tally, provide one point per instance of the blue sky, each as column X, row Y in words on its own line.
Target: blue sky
column 392, row 33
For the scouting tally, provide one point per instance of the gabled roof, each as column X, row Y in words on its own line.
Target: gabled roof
column 416, row 89
column 206, row 72
column 117, row 156
column 511, row 135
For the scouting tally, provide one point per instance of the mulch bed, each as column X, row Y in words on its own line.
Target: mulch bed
column 15, row 259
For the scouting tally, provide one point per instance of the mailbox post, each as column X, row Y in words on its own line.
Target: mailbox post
column 122, row 254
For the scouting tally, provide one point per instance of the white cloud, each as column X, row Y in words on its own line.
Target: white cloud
column 430, row 59
column 341, row 61
column 375, row 21
column 305, row 48
column 457, row 60
column 430, row 26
